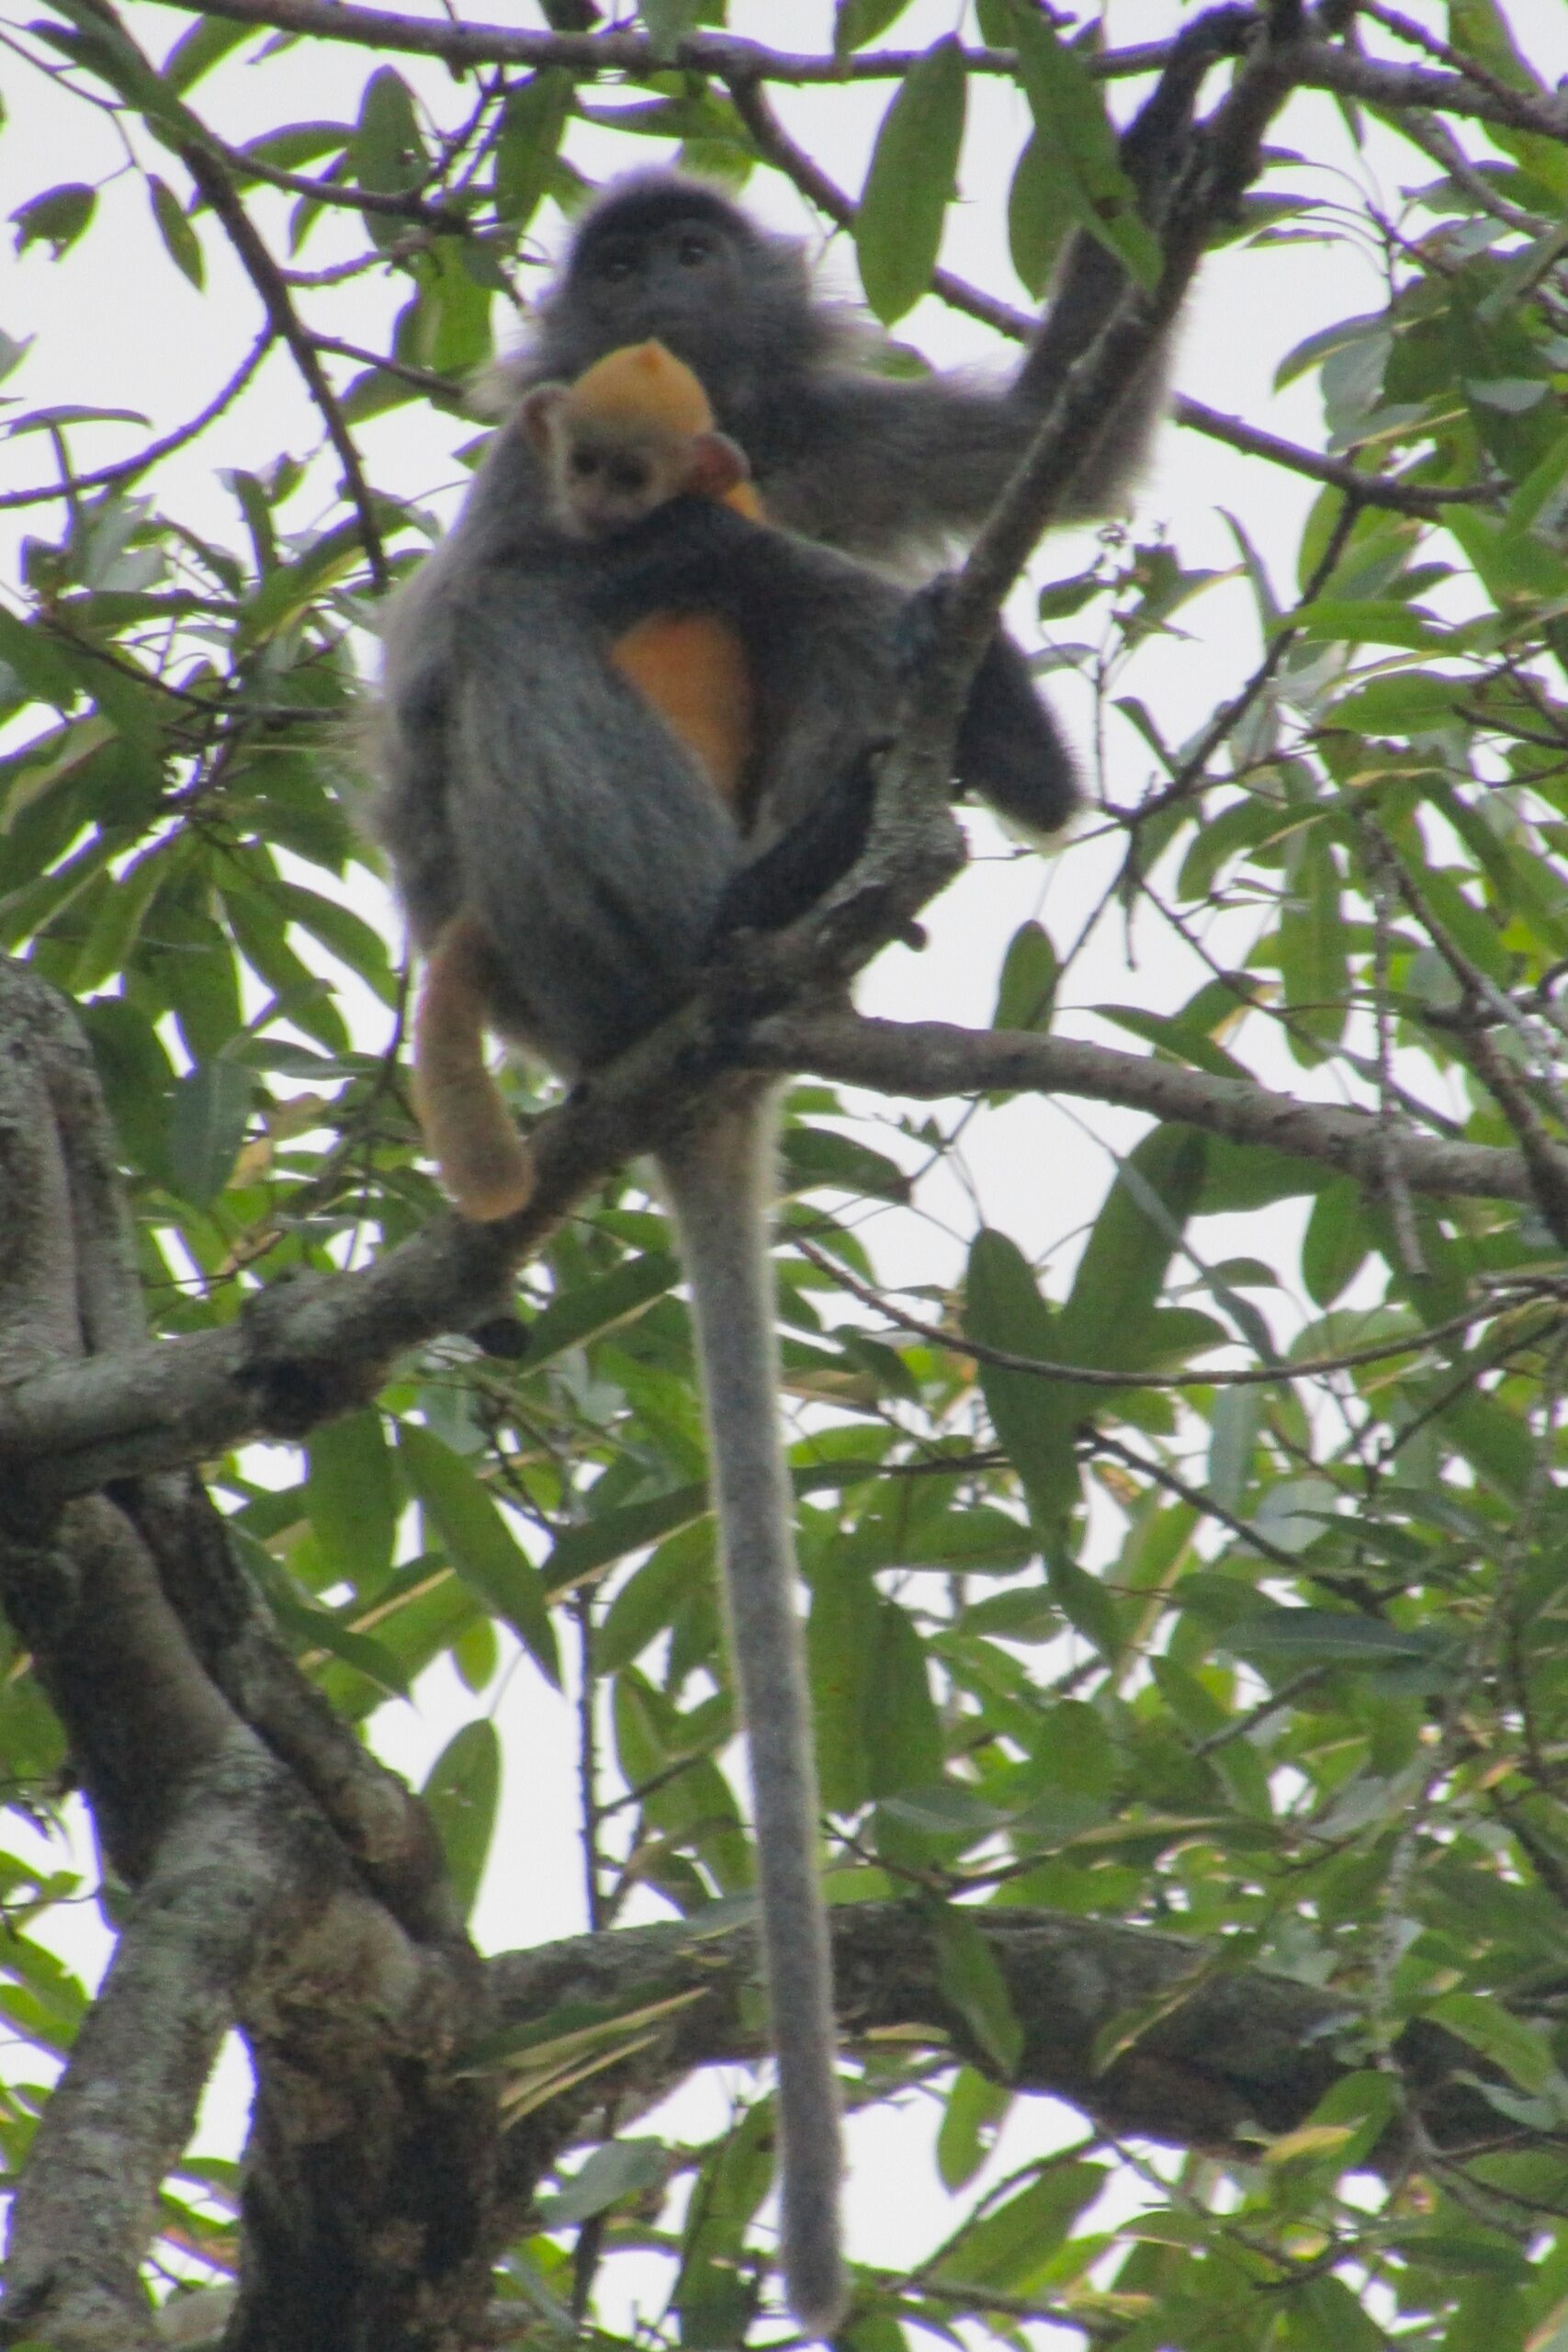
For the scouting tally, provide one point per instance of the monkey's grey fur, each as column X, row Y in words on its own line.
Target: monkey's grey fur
column 525, row 782
column 725, row 1166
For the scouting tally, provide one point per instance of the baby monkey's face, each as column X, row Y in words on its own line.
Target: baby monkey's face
column 609, row 477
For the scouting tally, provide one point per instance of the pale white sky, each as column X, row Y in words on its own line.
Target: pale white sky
column 115, row 324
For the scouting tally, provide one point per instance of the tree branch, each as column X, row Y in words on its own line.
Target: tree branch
column 1223, row 160
column 929, row 1059
column 266, row 278
column 1223, row 2054
column 636, row 55
column 85, row 2207
column 1425, row 499
column 305, row 1350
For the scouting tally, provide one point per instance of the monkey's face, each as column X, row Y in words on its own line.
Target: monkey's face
column 605, row 482
column 673, row 277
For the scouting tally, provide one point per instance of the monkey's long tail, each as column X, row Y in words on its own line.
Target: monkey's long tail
column 720, row 1182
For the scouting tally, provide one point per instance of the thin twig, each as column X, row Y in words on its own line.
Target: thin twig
column 1422, row 499
column 1091, row 1377
column 265, row 275
column 1229, row 715
column 1100, row 1441
column 126, row 469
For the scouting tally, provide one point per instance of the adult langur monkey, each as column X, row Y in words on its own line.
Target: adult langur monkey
column 527, row 786
column 632, row 433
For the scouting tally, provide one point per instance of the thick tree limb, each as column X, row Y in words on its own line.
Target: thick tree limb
column 369, row 2208
column 1317, row 65
column 1224, row 2056
column 144, row 1591
column 118, row 2121
column 309, row 1350
column 632, row 54
column 926, row 1059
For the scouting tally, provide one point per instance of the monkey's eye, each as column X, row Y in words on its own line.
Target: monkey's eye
column 584, row 463
column 628, row 475
column 694, row 251
column 617, row 262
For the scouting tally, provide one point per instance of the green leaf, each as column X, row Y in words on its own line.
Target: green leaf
column 388, row 147
column 1004, row 1309
column 713, row 2293
column 647, row 1603
column 1026, row 992
column 462, row 1792
column 197, row 51
column 1365, row 2104
column 619, row 2169
column 183, row 244
column 1040, row 213
column 300, row 143
column 1515, row 566
column 451, row 327
column 1014, row 2244
column 911, row 182
column 1325, row 2316
column 351, row 1496
column 903, row 1730
column 532, row 121
column 117, row 922
column 591, row 1309
column 290, row 588
column 56, row 219
column 1480, row 30
column 43, row 666
column 856, row 22
column 668, row 21
column 1314, row 964
column 212, row 1111
column 1085, row 1603
column 1335, row 1244
column 1299, row 1637
column 137, row 1077
column 1523, row 2050
column 1078, row 146
column 582, row 1552
column 969, row 1977
column 478, row 1543
column 970, row 2122
column 840, row 1650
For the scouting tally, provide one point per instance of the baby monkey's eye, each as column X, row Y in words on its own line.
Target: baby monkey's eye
column 584, row 464
column 628, row 474
column 692, row 251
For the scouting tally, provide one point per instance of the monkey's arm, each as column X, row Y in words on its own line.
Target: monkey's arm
column 888, row 458
column 831, row 645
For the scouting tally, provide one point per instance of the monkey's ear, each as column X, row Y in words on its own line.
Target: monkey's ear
column 538, row 412
column 716, row 463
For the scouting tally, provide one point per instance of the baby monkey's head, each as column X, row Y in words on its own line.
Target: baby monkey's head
column 633, row 432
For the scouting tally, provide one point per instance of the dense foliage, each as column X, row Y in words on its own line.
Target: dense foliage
column 1206, row 1584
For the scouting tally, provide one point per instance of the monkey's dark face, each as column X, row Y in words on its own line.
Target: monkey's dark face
column 665, row 259
column 606, row 482
column 637, row 275
column 668, row 276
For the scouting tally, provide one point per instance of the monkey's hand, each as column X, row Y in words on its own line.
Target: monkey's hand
column 922, row 625
column 786, row 881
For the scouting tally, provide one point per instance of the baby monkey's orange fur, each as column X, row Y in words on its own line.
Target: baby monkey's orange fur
column 635, row 430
